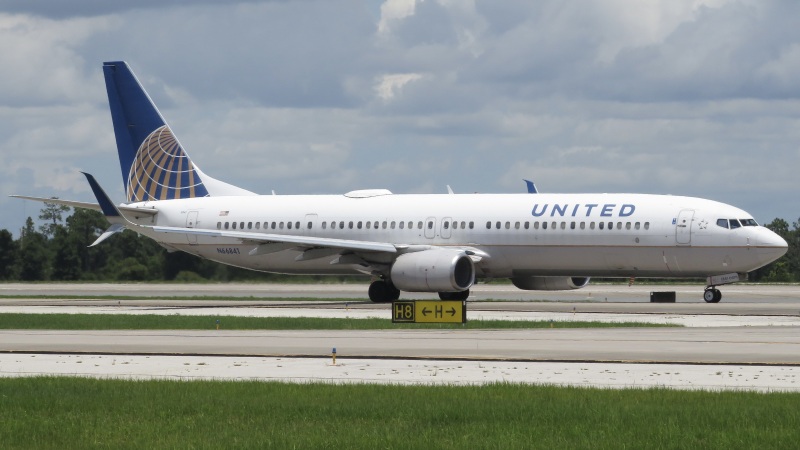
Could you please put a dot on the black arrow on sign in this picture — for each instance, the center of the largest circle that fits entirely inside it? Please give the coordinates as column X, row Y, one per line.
column 452, row 311
column 425, row 311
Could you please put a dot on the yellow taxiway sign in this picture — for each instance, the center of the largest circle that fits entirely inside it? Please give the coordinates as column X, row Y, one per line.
column 429, row 311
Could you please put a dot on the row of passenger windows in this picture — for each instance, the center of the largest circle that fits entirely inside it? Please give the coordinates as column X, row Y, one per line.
column 572, row 225
column 446, row 225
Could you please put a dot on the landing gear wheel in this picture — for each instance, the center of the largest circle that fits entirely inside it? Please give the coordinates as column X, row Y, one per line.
column 462, row 295
column 712, row 295
column 383, row 292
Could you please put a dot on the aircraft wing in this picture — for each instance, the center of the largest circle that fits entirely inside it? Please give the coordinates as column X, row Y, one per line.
column 87, row 205
column 300, row 241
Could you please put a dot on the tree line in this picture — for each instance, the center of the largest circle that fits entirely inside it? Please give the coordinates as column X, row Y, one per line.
column 58, row 250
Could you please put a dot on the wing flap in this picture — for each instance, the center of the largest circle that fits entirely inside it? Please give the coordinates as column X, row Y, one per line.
column 302, row 241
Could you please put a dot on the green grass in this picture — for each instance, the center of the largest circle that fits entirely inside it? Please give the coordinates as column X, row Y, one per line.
column 12, row 321
column 56, row 413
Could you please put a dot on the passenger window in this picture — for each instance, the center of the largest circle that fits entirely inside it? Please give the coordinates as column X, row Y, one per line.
column 463, row 225
column 341, row 225
column 234, row 225
column 446, row 225
column 563, row 225
column 455, row 224
column 280, row 225
column 471, row 225
column 384, row 225
column 610, row 225
column 602, row 224
column 647, row 225
column 402, row 225
column 535, row 225
column 393, row 223
column 516, row 225
column 591, row 226
column 527, row 225
column 219, row 225
column 544, row 225
column 310, row 225
column 249, row 225
column 369, row 224
column 258, row 225
column 637, row 225
column 324, row 225
column 375, row 225
column 619, row 225
column 553, row 226
column 734, row 224
column 273, row 225
column 488, row 225
column 289, row 225
column 508, row 225
column 583, row 225
column 241, row 225
column 430, row 225
column 359, row 225
column 627, row 225
column 497, row 225
column 227, row 225
column 350, row 225
column 419, row 225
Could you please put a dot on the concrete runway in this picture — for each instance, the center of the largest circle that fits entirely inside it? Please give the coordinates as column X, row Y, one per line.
column 761, row 352
column 638, row 293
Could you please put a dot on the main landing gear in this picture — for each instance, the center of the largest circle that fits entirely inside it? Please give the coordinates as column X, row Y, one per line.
column 383, row 292
column 712, row 295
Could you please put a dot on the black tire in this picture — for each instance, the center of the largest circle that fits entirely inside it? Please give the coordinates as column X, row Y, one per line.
column 377, row 292
column 462, row 295
column 712, row 295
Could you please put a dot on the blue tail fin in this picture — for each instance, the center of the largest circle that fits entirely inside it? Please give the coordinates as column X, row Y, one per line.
column 154, row 165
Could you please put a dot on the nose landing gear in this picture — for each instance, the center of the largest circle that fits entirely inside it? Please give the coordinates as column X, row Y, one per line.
column 712, row 295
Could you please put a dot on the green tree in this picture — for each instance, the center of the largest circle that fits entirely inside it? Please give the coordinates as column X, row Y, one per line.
column 9, row 253
column 52, row 214
column 34, row 256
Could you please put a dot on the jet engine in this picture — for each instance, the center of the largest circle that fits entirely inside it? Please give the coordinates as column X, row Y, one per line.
column 550, row 283
column 435, row 270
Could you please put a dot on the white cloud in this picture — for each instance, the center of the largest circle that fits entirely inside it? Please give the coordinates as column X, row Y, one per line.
column 389, row 86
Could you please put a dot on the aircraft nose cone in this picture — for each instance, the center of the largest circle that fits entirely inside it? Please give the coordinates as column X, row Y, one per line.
column 771, row 246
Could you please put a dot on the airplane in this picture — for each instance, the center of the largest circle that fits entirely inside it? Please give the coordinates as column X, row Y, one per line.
column 437, row 243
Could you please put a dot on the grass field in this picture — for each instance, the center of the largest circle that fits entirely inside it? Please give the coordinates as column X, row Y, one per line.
column 50, row 413
column 159, row 322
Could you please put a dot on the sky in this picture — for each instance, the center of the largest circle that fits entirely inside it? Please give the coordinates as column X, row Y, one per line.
column 681, row 97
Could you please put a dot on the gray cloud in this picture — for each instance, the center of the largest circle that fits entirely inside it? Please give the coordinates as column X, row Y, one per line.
column 658, row 97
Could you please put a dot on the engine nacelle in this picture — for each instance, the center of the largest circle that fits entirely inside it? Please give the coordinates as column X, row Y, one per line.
column 435, row 270
column 550, row 283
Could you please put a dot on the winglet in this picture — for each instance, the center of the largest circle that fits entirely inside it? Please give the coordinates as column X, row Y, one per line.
column 106, row 205
column 109, row 210
column 531, row 187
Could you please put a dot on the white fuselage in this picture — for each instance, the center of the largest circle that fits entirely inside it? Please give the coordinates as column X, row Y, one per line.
column 613, row 235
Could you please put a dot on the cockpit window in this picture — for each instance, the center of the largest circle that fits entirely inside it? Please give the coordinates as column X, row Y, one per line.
column 722, row 223
column 748, row 222
column 734, row 224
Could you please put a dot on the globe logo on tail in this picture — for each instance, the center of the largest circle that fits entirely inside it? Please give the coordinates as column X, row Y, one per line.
column 161, row 170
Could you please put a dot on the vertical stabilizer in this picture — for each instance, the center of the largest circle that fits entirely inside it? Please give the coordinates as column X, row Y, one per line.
column 154, row 164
